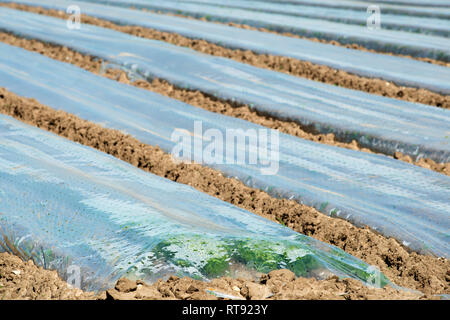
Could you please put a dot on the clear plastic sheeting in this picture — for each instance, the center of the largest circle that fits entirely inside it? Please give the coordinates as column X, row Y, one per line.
column 400, row 70
column 66, row 206
column 421, row 11
column 427, row 3
column 382, row 124
column 384, row 40
column 423, row 25
column 393, row 197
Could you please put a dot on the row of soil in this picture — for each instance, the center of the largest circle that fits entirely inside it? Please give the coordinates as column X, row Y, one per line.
column 354, row 46
column 201, row 100
column 428, row 274
column 287, row 65
column 24, row 280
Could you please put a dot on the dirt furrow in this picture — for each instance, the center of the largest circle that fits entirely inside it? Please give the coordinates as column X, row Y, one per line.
column 200, row 99
column 287, row 65
column 25, row 281
column 425, row 273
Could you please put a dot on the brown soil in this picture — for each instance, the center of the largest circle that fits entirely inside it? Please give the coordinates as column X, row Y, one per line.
column 428, row 274
column 24, row 281
column 21, row 280
column 201, row 100
column 277, row 285
column 287, row 65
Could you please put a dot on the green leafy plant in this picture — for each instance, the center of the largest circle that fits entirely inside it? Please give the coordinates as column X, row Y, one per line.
column 216, row 267
column 204, row 257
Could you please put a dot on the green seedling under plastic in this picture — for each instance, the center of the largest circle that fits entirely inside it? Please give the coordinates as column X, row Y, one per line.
column 207, row 258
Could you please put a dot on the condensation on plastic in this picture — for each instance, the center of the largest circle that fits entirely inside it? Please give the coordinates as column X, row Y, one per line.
column 434, row 26
column 393, row 197
column 420, row 11
column 383, row 124
column 402, row 71
column 63, row 204
column 384, row 40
